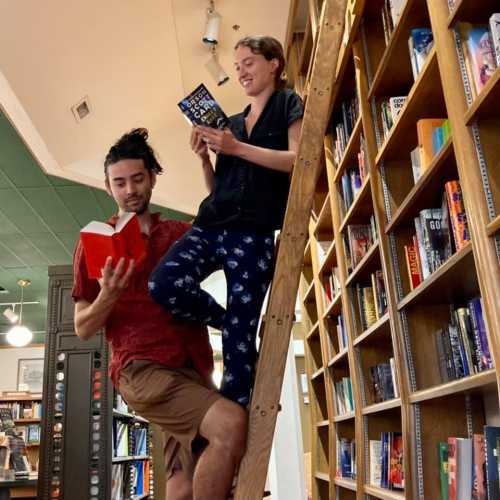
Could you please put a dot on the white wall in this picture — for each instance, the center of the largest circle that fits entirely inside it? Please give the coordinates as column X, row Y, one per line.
column 8, row 364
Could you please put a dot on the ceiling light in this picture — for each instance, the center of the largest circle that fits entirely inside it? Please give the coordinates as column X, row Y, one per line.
column 19, row 335
column 216, row 71
column 10, row 314
column 211, row 35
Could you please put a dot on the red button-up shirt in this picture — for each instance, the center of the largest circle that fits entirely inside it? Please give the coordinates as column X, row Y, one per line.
column 139, row 328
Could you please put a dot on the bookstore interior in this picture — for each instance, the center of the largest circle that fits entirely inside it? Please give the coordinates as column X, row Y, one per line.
column 396, row 339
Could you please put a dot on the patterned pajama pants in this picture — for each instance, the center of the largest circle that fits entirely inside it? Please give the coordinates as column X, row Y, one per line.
column 247, row 259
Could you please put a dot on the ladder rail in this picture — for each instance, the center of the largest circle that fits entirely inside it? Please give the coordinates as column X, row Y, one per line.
column 280, row 312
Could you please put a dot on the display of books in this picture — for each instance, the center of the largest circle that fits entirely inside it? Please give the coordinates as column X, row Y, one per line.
column 201, row 108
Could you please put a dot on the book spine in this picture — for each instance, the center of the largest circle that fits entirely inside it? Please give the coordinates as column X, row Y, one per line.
column 421, row 249
column 443, row 469
column 495, row 35
column 412, row 266
column 457, row 213
column 476, row 315
column 438, row 338
column 452, row 468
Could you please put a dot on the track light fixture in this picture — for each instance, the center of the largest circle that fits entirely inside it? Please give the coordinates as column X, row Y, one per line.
column 216, row 71
column 211, row 35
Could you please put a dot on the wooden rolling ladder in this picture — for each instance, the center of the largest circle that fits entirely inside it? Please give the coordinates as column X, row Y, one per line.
column 280, row 311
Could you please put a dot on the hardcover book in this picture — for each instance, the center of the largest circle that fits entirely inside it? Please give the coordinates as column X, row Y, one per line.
column 359, row 241
column 479, row 472
column 458, row 216
column 425, row 127
column 200, row 108
column 495, row 35
column 396, row 470
column 100, row 240
column 421, row 42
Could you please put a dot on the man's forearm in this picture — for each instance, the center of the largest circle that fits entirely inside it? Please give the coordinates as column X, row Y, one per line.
column 91, row 318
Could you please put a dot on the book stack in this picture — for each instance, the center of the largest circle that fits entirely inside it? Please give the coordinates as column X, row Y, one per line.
column 462, row 346
column 438, row 233
column 346, row 458
column 353, row 178
column 383, row 381
column 420, row 44
column 468, row 467
column 386, row 461
column 344, row 128
column 389, row 110
column 372, row 300
column 343, row 396
column 480, row 52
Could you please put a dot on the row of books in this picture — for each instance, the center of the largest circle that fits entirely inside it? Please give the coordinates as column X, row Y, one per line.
column 481, row 51
column 341, row 332
column 469, row 467
column 30, row 433
column 438, row 233
column 372, row 300
column 433, row 134
column 389, row 110
column 383, row 380
column 360, row 238
column 343, row 396
column 346, row 458
column 353, row 178
column 130, row 480
column 386, row 461
column 462, row 346
column 24, row 409
column 331, row 285
column 343, row 129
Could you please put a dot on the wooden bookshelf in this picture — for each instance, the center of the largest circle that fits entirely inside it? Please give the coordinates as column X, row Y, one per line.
column 426, row 409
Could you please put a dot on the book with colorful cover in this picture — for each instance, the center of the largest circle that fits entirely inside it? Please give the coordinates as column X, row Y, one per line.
column 101, row 240
column 375, row 462
column 425, row 127
column 435, row 237
column 201, row 108
column 452, row 467
column 396, row 470
column 476, row 315
column 412, row 266
column 360, row 241
column 396, row 104
column 422, row 41
column 480, row 53
column 458, row 216
column 491, row 434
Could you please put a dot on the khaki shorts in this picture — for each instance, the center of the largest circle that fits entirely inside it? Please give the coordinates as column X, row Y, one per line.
column 176, row 400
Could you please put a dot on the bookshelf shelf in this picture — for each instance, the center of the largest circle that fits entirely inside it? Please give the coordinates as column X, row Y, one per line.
column 349, row 484
column 351, row 150
column 6, row 399
column 314, row 331
column 380, row 327
column 322, row 423
column 335, row 307
column 21, row 421
column 381, row 407
column 422, row 101
column 383, row 493
column 389, row 74
column 429, row 184
column 455, row 279
column 309, row 296
column 477, row 381
column 322, row 476
column 485, row 105
column 318, row 373
column 344, row 417
column 467, row 10
column 362, row 206
column 341, row 357
column 365, row 264
column 494, row 226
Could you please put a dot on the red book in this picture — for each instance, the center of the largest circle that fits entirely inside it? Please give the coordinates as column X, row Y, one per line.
column 479, row 479
column 100, row 240
column 412, row 266
column 396, row 471
column 457, row 214
column 452, row 468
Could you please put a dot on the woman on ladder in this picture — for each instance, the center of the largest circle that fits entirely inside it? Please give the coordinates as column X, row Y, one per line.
column 234, row 228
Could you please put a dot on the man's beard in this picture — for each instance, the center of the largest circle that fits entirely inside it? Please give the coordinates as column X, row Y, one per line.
column 143, row 207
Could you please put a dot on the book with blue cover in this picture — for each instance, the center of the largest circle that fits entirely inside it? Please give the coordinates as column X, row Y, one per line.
column 201, row 108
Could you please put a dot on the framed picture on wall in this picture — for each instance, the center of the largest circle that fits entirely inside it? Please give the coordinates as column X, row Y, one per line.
column 30, row 375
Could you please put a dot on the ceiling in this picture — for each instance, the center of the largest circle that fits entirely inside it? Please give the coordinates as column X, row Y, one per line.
column 133, row 61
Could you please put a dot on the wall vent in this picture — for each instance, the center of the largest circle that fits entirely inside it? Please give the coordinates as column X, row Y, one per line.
column 81, row 109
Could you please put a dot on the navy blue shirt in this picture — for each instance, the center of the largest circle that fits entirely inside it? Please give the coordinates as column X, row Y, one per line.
column 246, row 195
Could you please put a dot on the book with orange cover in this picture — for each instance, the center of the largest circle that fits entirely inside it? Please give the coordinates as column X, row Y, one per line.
column 100, row 240
column 425, row 126
column 457, row 214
